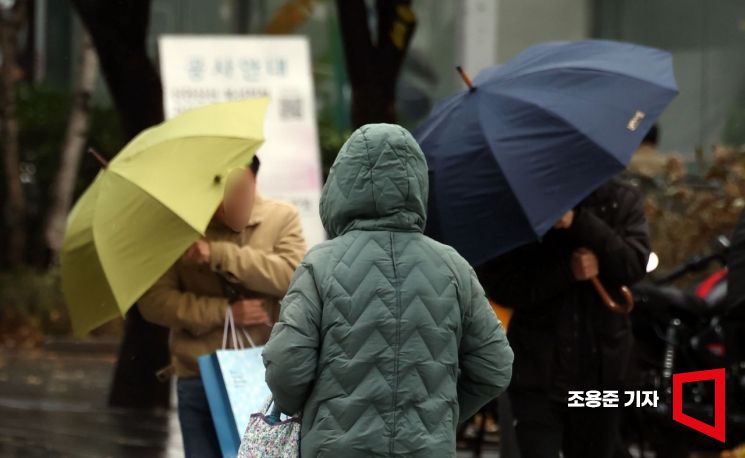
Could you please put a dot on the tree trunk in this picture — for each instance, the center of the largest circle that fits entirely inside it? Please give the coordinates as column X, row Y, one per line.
column 75, row 139
column 119, row 32
column 11, row 22
column 373, row 68
column 144, row 352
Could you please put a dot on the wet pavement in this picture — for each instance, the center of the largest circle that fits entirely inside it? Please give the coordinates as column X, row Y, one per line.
column 53, row 404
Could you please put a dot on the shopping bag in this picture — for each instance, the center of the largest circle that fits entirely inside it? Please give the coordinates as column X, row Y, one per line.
column 234, row 384
column 269, row 436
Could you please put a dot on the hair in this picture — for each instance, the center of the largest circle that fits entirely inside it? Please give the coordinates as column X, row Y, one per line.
column 254, row 165
column 652, row 135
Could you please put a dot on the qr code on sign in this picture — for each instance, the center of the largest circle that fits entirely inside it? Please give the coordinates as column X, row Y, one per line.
column 290, row 108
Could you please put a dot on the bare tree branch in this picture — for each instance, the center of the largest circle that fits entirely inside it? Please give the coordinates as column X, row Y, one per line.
column 76, row 137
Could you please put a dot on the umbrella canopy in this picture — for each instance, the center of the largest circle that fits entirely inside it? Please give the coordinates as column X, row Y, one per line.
column 152, row 201
column 536, row 136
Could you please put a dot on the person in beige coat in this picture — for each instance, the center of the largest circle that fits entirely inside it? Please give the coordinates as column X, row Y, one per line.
column 256, row 243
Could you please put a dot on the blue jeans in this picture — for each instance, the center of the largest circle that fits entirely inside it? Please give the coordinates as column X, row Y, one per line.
column 197, row 429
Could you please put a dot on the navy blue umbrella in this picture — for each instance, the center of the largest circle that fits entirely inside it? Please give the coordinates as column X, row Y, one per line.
column 534, row 137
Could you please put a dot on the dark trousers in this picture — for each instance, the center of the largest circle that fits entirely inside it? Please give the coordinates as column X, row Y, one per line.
column 197, row 429
column 545, row 426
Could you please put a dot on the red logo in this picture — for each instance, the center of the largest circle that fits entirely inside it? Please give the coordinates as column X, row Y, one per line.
column 716, row 430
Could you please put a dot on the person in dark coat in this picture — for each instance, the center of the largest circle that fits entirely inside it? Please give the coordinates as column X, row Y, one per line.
column 563, row 336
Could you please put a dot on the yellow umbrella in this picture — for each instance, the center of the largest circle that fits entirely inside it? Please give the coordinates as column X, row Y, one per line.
column 149, row 204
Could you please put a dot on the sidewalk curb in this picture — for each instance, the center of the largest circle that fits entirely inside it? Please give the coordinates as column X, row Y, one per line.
column 71, row 345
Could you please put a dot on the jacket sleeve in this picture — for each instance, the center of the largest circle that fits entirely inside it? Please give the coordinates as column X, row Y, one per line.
column 261, row 271
column 485, row 356
column 528, row 276
column 167, row 305
column 623, row 251
column 291, row 355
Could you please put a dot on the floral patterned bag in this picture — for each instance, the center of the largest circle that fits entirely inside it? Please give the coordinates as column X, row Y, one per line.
column 268, row 436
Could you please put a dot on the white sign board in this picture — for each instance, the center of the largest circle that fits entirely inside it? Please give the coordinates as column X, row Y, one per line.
column 202, row 69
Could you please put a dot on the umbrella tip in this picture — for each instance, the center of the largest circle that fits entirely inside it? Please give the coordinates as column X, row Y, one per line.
column 464, row 76
column 101, row 160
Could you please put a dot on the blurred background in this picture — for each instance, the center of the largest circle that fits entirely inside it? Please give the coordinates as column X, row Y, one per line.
column 84, row 73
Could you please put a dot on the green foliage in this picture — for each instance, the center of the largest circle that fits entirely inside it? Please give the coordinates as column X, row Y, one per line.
column 734, row 129
column 42, row 116
column 30, row 291
column 331, row 141
column 31, row 306
column 43, row 113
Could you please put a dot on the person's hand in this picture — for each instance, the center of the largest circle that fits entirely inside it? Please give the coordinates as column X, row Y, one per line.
column 566, row 221
column 250, row 312
column 199, row 252
column 584, row 264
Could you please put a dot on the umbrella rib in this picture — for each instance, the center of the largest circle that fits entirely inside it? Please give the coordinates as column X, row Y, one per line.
column 146, row 191
column 553, row 114
column 185, row 137
column 440, row 109
column 494, row 155
column 112, row 166
column 103, row 269
column 588, row 70
column 557, row 117
column 107, row 284
column 507, row 177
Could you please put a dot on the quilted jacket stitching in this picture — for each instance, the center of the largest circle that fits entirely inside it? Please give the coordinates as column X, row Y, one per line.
column 397, row 343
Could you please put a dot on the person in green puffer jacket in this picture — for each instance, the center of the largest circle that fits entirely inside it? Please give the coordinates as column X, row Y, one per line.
column 385, row 340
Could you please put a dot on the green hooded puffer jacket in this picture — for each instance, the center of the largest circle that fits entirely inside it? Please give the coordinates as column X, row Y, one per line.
column 385, row 339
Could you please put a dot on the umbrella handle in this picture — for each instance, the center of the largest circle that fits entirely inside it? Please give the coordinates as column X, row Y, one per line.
column 613, row 306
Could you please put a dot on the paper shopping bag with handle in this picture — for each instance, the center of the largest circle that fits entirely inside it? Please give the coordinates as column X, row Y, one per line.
column 235, row 387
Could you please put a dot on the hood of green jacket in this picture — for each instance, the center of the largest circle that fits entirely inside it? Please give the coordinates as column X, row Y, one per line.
column 378, row 182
